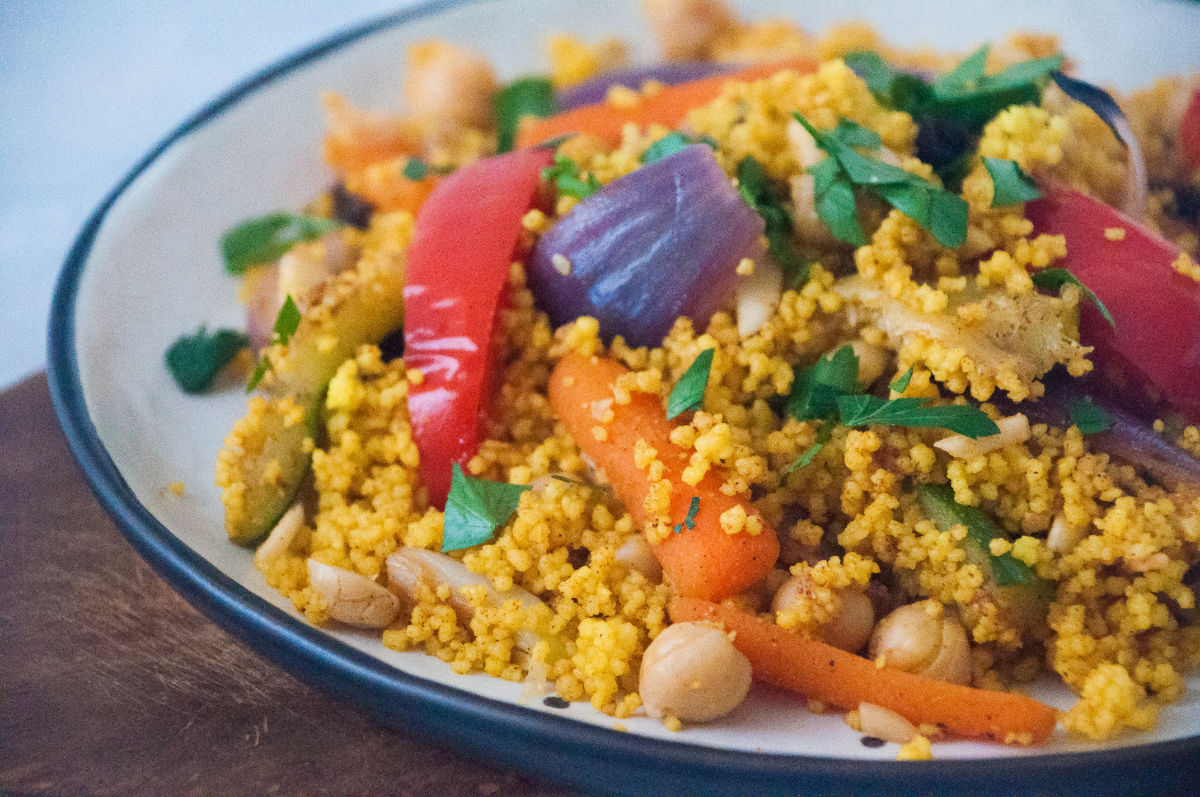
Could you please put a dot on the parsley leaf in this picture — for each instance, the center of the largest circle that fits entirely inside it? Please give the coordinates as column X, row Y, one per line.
column 286, row 324
column 565, row 176
column 964, row 419
column 195, row 360
column 815, row 389
column 823, row 436
column 690, row 520
column 1010, row 183
column 901, row 384
column 1055, row 278
column 417, row 169
column 264, row 239
column 528, row 96
column 688, row 393
column 758, row 191
column 942, row 213
column 1088, row 417
column 672, row 143
column 475, row 508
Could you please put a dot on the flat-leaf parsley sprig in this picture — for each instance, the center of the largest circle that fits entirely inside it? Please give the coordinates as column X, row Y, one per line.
column 941, row 212
column 286, row 324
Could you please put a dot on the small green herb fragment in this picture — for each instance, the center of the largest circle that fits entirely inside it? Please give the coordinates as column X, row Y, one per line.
column 528, row 96
column 823, row 436
column 475, row 508
column 942, row 213
column 195, row 360
column 688, row 393
column 914, row 412
column 815, row 389
column 1010, row 183
column 417, row 169
column 264, row 239
column 901, row 384
column 690, row 520
column 564, row 173
column 286, row 324
column 1053, row 279
column 1088, row 417
column 672, row 143
column 591, row 485
column 762, row 195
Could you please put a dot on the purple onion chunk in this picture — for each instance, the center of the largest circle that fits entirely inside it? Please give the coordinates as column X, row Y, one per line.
column 659, row 243
column 595, row 90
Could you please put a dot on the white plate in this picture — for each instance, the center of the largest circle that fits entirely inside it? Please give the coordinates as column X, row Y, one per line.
column 147, row 268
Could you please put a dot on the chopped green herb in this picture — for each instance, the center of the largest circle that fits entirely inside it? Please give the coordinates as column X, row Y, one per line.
column 688, row 393
column 604, row 488
column 1010, row 183
column 565, row 176
column 286, row 324
column 942, row 213
column 475, row 508
column 195, row 360
column 815, row 389
column 1054, row 278
column 690, row 520
column 417, row 169
column 672, row 143
column 875, row 72
column 964, row 419
column 938, row 504
column 264, row 239
column 901, row 384
column 557, row 141
column 823, row 436
column 762, row 195
column 528, row 96
column 1088, row 417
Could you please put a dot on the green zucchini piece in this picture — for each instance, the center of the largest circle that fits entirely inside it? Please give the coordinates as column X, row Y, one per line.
column 267, row 455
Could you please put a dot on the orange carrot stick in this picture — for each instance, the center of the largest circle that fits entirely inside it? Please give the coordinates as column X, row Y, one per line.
column 817, row 670
column 701, row 561
column 667, row 107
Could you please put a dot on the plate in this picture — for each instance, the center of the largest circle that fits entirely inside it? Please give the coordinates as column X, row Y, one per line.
column 146, row 268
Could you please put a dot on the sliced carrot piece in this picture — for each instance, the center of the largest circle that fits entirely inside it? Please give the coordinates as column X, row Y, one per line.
column 702, row 560
column 667, row 107
column 820, row 671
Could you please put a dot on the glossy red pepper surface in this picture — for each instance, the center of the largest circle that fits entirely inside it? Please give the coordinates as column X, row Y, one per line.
column 458, row 263
column 1156, row 339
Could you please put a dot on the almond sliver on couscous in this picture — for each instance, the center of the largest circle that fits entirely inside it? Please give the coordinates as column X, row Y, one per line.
column 817, row 357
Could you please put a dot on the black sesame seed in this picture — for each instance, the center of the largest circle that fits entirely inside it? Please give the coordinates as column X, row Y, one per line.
column 872, row 741
column 554, row 701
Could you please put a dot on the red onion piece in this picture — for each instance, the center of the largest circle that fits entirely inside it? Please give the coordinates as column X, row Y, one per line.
column 661, row 242
column 595, row 90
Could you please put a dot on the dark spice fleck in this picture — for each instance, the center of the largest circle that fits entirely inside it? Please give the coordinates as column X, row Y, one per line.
column 392, row 345
column 554, row 701
column 872, row 741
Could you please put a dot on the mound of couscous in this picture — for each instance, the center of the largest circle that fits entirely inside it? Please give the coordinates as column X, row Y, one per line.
column 859, row 393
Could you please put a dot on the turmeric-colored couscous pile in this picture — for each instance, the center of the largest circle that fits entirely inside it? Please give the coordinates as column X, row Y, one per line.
column 568, row 592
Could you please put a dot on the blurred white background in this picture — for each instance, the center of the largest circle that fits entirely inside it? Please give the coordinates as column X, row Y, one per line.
column 87, row 87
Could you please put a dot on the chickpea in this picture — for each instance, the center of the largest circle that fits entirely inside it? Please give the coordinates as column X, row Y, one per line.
column 685, row 29
column 692, row 671
column 872, row 360
column 636, row 554
column 850, row 626
column 449, row 86
column 919, row 638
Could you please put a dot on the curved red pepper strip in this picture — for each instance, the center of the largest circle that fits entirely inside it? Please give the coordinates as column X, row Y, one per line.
column 1156, row 338
column 458, row 263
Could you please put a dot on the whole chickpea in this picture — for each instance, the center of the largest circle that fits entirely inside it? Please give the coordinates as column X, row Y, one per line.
column 919, row 638
column 686, row 29
column 692, row 671
column 849, row 627
column 449, row 86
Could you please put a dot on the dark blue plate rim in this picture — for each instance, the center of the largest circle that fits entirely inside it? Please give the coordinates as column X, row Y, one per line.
column 531, row 741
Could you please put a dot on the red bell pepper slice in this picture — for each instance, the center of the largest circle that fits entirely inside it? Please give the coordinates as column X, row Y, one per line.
column 458, row 263
column 1189, row 131
column 1155, row 341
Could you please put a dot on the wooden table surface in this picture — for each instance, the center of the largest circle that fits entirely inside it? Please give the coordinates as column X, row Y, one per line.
column 110, row 683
